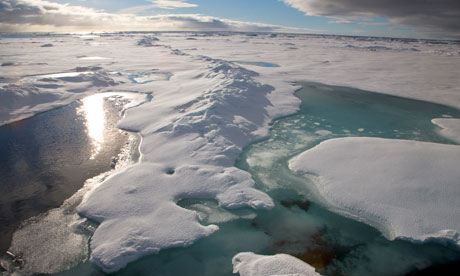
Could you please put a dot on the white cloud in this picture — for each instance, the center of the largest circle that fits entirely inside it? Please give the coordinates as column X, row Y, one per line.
column 157, row 4
column 172, row 4
column 41, row 15
column 442, row 16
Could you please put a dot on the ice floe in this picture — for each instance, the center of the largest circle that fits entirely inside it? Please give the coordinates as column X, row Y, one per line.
column 250, row 264
column 137, row 208
column 22, row 101
column 407, row 189
column 37, row 93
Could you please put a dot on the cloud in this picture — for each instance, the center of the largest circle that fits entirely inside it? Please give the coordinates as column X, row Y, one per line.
column 157, row 4
column 172, row 4
column 38, row 12
column 41, row 15
column 442, row 16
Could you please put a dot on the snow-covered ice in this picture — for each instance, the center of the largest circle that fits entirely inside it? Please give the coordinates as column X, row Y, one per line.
column 140, row 215
column 407, row 189
column 211, row 96
column 37, row 93
column 250, row 264
column 450, row 128
column 428, row 74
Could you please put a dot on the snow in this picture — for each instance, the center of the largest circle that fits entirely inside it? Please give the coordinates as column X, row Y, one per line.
column 147, row 41
column 210, row 97
column 429, row 74
column 38, row 93
column 407, row 189
column 188, row 151
column 250, row 264
column 450, row 128
column 139, row 213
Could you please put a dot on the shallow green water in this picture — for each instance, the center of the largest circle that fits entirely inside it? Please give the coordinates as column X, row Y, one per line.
column 298, row 225
column 340, row 245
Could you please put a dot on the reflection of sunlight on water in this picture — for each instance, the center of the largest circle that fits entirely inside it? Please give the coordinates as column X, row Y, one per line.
column 93, row 110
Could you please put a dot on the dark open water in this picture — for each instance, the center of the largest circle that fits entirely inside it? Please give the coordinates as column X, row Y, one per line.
column 47, row 158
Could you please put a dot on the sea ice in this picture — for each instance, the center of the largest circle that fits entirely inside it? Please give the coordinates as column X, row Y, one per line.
column 147, row 41
column 93, row 58
column 200, row 119
column 450, row 128
column 38, row 93
column 188, row 152
column 137, row 208
column 407, row 189
column 323, row 132
column 250, row 264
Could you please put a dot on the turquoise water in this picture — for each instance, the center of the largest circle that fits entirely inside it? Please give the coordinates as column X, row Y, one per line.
column 329, row 112
column 298, row 225
column 146, row 77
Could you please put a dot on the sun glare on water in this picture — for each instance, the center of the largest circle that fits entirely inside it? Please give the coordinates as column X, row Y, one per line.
column 93, row 111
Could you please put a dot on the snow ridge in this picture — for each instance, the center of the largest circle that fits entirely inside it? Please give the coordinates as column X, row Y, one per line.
column 189, row 155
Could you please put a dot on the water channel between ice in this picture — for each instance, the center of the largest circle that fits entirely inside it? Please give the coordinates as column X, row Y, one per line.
column 299, row 224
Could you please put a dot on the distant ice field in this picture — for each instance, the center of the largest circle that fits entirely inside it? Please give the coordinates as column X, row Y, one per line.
column 210, row 97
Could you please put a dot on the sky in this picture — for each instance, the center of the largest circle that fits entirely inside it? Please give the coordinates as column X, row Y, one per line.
column 388, row 18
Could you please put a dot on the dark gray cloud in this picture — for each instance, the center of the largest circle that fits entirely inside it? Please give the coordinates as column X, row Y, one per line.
column 209, row 23
column 196, row 23
column 38, row 12
column 441, row 16
column 14, row 11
